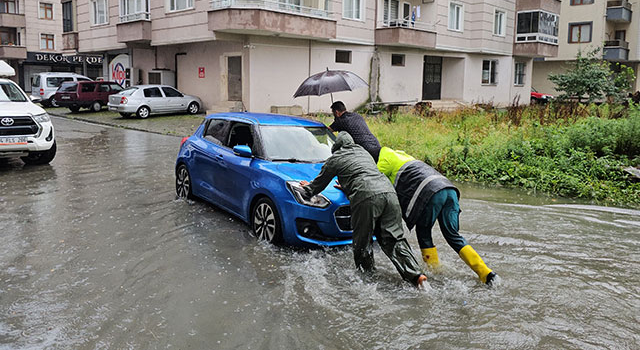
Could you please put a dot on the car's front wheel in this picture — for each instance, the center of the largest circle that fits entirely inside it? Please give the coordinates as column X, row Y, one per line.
column 96, row 106
column 183, row 183
column 193, row 108
column 265, row 221
column 40, row 157
column 143, row 112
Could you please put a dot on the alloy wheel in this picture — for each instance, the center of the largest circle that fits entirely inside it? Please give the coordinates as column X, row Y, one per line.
column 193, row 108
column 264, row 222
column 183, row 183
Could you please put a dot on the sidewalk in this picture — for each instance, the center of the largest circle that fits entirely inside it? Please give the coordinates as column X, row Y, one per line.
column 171, row 124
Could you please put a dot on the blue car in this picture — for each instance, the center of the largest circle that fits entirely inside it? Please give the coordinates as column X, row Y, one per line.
column 251, row 164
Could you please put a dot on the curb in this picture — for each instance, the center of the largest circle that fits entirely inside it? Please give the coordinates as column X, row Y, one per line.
column 91, row 121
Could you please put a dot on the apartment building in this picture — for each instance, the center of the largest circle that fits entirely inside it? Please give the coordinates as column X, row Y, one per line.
column 32, row 39
column 589, row 24
column 253, row 54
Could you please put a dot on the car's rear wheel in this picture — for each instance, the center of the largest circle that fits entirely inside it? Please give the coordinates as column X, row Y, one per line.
column 193, row 108
column 41, row 157
column 125, row 115
column 183, row 183
column 96, row 106
column 265, row 221
column 53, row 102
column 74, row 109
column 143, row 112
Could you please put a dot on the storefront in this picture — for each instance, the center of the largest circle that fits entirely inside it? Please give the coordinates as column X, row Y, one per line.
column 38, row 62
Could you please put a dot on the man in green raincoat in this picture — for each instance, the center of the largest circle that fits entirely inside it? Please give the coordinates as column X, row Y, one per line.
column 374, row 206
column 425, row 195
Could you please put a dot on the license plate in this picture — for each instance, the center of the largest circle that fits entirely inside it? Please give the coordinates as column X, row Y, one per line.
column 17, row 140
column 65, row 97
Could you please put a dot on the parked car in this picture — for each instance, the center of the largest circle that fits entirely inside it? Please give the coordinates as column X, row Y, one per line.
column 86, row 94
column 538, row 97
column 251, row 164
column 26, row 130
column 144, row 100
column 45, row 85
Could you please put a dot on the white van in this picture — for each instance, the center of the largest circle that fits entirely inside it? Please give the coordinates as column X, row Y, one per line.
column 45, row 85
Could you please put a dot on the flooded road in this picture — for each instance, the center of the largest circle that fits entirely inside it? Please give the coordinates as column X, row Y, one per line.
column 97, row 253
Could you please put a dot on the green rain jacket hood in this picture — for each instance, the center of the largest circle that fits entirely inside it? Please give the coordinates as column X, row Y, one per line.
column 356, row 171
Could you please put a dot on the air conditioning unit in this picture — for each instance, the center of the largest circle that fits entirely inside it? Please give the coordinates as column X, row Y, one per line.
column 162, row 76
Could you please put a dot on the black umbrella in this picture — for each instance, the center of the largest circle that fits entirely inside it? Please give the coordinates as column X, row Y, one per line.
column 328, row 82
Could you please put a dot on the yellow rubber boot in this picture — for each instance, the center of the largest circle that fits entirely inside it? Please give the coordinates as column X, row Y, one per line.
column 430, row 256
column 471, row 258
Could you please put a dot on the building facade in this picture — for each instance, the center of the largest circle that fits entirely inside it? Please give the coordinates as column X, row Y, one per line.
column 589, row 24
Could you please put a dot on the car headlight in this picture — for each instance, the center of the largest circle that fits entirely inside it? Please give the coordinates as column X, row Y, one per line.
column 42, row 118
column 318, row 201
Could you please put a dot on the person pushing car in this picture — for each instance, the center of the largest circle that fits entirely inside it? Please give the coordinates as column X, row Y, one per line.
column 374, row 206
column 426, row 195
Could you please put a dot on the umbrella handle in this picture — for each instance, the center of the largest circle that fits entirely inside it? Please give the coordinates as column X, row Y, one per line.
column 332, row 98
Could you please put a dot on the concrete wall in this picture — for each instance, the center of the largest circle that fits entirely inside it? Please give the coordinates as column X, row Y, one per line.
column 400, row 83
column 542, row 70
column 454, row 80
column 521, row 94
column 476, row 92
column 180, row 26
column 102, row 37
column 355, row 31
column 37, row 26
column 580, row 13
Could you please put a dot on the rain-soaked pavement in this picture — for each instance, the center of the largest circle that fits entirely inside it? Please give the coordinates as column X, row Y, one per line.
column 97, row 253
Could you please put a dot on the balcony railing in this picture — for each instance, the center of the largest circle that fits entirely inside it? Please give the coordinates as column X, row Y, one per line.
column 619, row 3
column 616, row 43
column 275, row 6
column 536, row 37
column 137, row 16
column 408, row 24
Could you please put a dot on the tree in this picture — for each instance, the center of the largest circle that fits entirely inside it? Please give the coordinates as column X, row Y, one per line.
column 593, row 78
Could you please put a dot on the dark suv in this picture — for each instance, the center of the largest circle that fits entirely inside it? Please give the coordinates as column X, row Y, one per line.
column 86, row 94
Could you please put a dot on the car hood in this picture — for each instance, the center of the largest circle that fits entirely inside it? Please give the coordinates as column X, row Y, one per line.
column 307, row 171
column 20, row 108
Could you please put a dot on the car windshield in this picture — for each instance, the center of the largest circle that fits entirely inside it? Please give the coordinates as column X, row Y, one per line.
column 11, row 93
column 296, row 143
column 128, row 91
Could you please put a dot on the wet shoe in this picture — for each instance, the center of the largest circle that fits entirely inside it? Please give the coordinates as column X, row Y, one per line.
column 422, row 282
column 490, row 278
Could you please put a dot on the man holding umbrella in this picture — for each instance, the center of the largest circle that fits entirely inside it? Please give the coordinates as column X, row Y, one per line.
column 355, row 125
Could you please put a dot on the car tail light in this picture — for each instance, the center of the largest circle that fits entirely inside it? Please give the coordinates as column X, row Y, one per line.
column 123, row 100
column 184, row 139
column 41, row 92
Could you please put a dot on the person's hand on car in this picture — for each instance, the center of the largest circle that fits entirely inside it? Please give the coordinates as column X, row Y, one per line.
column 304, row 183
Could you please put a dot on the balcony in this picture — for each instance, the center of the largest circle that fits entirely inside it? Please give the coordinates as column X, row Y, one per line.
column 619, row 11
column 12, row 20
column 271, row 18
column 535, row 45
column 406, row 33
column 134, row 28
column 13, row 52
column 616, row 50
column 70, row 41
column 552, row 6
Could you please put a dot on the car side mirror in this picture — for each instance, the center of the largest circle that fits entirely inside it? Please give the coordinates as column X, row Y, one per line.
column 242, row 151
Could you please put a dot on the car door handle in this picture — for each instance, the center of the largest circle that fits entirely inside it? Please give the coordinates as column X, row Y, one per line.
column 219, row 157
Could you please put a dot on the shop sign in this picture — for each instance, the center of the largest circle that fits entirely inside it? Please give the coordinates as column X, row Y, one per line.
column 200, row 72
column 118, row 69
column 59, row 58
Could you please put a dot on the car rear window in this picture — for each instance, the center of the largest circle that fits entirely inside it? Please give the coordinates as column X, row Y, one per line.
column 68, row 87
column 35, row 81
column 129, row 91
column 115, row 87
column 152, row 92
column 88, row 87
column 56, row 81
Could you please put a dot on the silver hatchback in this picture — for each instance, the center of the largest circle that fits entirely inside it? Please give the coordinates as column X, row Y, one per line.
column 144, row 100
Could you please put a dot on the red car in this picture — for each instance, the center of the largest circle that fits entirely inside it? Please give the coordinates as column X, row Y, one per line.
column 538, row 97
column 86, row 94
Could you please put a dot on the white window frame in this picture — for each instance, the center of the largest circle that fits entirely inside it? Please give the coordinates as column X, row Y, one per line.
column 93, row 9
column 40, row 41
column 141, row 10
column 190, row 5
column 537, row 36
column 502, row 29
column 361, row 10
column 460, row 19
column 515, row 73
column 52, row 10
column 493, row 72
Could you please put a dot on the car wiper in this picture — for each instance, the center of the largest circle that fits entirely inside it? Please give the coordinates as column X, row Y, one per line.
column 290, row 160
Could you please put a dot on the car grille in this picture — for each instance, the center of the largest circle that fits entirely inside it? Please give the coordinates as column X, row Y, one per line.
column 343, row 218
column 22, row 125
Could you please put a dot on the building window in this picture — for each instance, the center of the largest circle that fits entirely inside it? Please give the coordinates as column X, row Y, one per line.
column 390, row 14
column 456, row 14
column 46, row 42
column 499, row 23
column 46, row 10
column 538, row 26
column 352, row 9
column 343, row 56
column 67, row 16
column 581, row 2
column 397, row 60
column 99, row 14
column 9, row 36
column 131, row 10
column 9, row 6
column 580, row 32
column 177, row 5
column 489, row 72
column 519, row 74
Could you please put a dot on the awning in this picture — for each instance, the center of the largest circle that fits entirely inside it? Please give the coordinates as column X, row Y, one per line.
column 6, row 70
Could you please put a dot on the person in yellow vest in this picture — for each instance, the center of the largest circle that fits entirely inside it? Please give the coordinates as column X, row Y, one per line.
column 425, row 196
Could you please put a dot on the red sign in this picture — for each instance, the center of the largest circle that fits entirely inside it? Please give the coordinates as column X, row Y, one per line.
column 200, row 72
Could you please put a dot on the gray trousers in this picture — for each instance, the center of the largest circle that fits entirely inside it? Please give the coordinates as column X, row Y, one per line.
column 382, row 213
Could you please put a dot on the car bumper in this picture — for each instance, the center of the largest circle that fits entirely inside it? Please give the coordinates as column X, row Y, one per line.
column 72, row 103
column 307, row 226
column 122, row 108
column 39, row 142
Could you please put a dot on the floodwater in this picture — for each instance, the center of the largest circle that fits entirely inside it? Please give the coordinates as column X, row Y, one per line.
column 97, row 253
